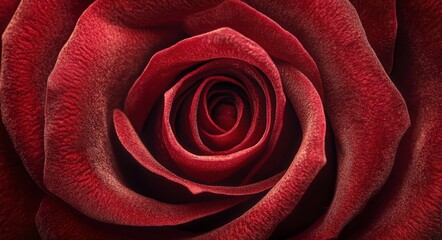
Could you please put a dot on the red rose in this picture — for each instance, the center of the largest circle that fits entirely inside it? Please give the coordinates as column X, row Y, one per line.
column 221, row 119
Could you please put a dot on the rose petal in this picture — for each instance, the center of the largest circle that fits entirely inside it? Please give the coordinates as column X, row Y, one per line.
column 160, row 13
column 6, row 12
column 19, row 195
column 31, row 45
column 56, row 220
column 277, row 42
column 260, row 221
column 366, row 111
column 410, row 204
column 379, row 20
column 93, row 73
column 223, row 110
column 133, row 144
column 316, row 199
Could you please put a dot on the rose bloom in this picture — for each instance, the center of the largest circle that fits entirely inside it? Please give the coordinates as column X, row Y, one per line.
column 187, row 119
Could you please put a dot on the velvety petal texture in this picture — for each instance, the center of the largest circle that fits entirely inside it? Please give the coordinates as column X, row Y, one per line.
column 6, row 12
column 260, row 221
column 379, row 21
column 19, row 195
column 410, row 204
column 56, row 220
column 220, row 119
column 79, row 164
column 31, row 43
column 206, row 47
column 354, row 83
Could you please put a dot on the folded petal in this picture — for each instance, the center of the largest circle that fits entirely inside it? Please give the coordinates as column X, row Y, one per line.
column 57, row 220
column 91, row 77
column 378, row 18
column 276, row 41
column 366, row 111
column 260, row 221
column 31, row 45
column 133, row 144
column 19, row 195
column 410, row 204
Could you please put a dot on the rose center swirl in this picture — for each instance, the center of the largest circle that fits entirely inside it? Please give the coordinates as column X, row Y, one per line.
column 216, row 117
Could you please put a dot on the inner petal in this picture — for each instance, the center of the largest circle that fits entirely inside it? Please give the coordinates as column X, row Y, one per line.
column 224, row 112
column 226, row 95
column 238, row 89
column 192, row 111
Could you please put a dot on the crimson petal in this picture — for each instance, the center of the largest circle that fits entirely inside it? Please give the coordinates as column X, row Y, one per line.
column 277, row 42
column 260, row 221
column 233, row 46
column 379, row 20
column 366, row 111
column 57, row 220
column 133, row 144
column 410, row 205
column 90, row 78
column 31, row 45
column 19, row 195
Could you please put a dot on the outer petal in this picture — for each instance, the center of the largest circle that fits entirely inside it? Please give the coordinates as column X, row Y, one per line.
column 91, row 77
column 379, row 20
column 135, row 13
column 277, row 42
column 56, row 220
column 6, row 11
column 31, row 44
column 410, row 205
column 366, row 111
column 19, row 196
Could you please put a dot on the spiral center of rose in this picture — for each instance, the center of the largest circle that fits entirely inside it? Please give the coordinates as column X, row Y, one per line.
column 213, row 118
column 224, row 114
